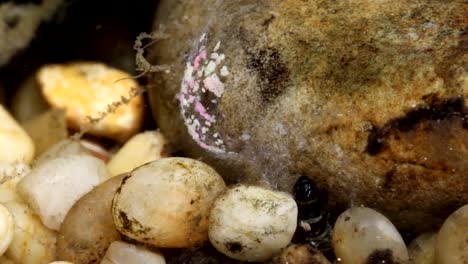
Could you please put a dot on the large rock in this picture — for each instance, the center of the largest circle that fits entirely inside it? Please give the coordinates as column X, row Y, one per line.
column 367, row 98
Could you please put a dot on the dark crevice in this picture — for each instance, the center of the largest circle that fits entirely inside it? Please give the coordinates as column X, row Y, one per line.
column 11, row 20
column 382, row 256
column 435, row 109
column 272, row 74
column 234, row 247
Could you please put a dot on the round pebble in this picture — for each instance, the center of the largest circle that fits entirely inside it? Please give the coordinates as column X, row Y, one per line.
column 452, row 239
column 16, row 144
column 362, row 235
column 7, row 228
column 88, row 228
column 302, row 254
column 166, row 203
column 140, row 149
column 52, row 187
column 252, row 223
column 124, row 253
column 422, row 249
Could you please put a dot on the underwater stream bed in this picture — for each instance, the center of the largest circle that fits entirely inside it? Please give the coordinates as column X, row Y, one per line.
column 211, row 131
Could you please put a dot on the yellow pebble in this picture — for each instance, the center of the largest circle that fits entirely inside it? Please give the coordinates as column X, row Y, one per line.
column 87, row 89
column 140, row 149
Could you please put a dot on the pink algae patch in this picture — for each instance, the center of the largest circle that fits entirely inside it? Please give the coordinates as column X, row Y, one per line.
column 200, row 91
column 214, row 85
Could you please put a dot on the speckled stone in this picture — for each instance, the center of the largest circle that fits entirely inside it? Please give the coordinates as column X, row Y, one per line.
column 368, row 98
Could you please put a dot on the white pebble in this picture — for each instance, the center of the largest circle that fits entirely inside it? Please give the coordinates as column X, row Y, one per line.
column 55, row 185
column 166, row 203
column 362, row 235
column 125, row 253
column 140, row 149
column 65, row 147
column 422, row 249
column 452, row 239
column 251, row 223
column 7, row 228
column 32, row 242
column 16, row 144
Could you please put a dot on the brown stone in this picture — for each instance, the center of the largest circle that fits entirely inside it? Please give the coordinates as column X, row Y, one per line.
column 367, row 98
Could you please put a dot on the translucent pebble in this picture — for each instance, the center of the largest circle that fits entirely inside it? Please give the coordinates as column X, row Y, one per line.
column 452, row 239
column 125, row 253
column 55, row 185
column 251, row 223
column 422, row 249
column 361, row 235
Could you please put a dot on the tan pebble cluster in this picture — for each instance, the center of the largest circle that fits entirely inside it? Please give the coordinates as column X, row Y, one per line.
column 69, row 200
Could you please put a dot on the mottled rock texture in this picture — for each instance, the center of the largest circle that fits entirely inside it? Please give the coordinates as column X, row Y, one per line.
column 368, row 98
column 19, row 20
